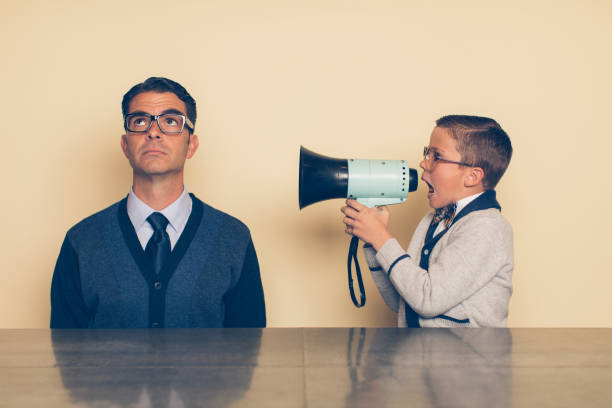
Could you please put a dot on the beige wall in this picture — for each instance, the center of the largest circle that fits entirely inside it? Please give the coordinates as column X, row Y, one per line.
column 347, row 79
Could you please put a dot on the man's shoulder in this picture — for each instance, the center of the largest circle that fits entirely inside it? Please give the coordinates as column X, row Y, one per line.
column 228, row 223
column 96, row 221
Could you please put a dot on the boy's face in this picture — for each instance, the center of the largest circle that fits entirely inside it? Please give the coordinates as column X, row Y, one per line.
column 446, row 181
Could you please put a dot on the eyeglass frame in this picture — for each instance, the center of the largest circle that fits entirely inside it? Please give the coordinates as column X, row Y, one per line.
column 428, row 150
column 155, row 118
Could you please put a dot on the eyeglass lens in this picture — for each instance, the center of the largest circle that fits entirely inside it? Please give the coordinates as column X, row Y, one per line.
column 429, row 155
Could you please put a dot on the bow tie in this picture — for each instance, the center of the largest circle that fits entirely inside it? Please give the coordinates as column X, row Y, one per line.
column 446, row 214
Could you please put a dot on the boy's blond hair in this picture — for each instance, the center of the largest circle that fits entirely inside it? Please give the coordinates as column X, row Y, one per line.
column 482, row 143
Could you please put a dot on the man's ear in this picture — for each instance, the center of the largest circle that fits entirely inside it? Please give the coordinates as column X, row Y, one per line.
column 473, row 177
column 193, row 145
column 124, row 145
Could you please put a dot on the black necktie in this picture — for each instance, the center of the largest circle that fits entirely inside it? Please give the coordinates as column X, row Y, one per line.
column 158, row 247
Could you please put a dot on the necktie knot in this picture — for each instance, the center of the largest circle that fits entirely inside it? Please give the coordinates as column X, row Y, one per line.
column 446, row 214
column 158, row 221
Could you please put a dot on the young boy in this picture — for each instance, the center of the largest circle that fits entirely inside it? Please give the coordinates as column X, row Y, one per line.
column 458, row 267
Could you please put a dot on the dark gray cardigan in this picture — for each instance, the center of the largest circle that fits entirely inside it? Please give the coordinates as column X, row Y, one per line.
column 103, row 279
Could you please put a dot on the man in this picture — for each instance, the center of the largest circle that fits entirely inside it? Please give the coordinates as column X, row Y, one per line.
column 160, row 257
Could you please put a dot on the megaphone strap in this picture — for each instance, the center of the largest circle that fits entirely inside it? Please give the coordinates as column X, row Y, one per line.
column 352, row 256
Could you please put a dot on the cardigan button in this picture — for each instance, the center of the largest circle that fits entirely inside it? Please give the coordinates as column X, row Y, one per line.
column 426, row 252
column 157, row 285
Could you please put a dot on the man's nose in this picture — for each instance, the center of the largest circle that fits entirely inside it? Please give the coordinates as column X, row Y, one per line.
column 154, row 131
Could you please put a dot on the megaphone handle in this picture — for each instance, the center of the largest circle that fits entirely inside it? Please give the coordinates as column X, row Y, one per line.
column 352, row 256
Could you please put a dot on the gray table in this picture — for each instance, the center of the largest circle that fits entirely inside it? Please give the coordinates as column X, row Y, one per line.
column 307, row 367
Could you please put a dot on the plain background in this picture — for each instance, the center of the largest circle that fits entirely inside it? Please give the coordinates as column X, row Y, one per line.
column 361, row 79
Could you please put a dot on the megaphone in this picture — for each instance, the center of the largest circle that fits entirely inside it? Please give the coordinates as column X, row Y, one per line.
column 370, row 182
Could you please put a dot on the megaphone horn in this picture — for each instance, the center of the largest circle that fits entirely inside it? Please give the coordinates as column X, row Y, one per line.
column 321, row 177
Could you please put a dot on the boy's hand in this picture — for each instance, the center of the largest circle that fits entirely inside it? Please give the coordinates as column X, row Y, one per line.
column 369, row 224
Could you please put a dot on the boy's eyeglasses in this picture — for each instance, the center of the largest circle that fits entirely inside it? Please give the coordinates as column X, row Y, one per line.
column 432, row 157
column 168, row 123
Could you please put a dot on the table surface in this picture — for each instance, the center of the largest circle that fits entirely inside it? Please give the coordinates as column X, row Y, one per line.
column 315, row 367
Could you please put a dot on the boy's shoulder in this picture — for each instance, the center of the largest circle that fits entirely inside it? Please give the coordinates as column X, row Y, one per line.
column 483, row 222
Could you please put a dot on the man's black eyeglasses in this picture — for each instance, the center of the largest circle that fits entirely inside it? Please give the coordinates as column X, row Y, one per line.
column 168, row 123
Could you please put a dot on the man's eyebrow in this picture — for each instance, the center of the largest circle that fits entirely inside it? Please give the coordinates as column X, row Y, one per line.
column 178, row 112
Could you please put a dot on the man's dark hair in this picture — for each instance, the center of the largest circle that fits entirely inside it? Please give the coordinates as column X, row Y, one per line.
column 160, row 85
column 482, row 143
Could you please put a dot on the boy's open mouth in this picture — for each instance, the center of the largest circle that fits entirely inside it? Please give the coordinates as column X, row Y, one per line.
column 431, row 189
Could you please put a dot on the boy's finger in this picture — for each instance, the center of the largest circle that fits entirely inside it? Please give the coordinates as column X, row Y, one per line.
column 349, row 212
column 355, row 204
column 348, row 221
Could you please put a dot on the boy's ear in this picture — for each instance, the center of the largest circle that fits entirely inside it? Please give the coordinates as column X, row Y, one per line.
column 473, row 177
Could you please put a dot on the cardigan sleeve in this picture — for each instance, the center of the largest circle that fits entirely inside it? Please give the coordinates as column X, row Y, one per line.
column 244, row 303
column 386, row 289
column 68, row 309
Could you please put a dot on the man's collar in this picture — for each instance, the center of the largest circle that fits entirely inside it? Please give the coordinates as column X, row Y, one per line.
column 177, row 213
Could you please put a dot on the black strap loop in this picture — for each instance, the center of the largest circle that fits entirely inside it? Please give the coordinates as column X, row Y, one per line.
column 352, row 256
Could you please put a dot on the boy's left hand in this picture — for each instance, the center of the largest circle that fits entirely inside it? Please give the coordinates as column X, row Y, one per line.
column 369, row 224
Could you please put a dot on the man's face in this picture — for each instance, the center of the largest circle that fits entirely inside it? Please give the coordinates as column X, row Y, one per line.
column 445, row 180
column 155, row 153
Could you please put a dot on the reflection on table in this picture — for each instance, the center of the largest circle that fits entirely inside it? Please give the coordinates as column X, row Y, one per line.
column 449, row 362
column 156, row 368
column 323, row 367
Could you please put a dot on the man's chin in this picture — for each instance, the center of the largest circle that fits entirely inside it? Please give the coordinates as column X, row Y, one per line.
column 152, row 171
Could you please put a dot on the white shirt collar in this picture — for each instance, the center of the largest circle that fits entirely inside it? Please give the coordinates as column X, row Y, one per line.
column 177, row 213
column 465, row 201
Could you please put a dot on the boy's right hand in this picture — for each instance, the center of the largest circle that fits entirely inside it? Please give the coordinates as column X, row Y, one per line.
column 369, row 224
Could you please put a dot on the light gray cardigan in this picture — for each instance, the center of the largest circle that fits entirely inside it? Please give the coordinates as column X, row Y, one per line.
column 469, row 277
